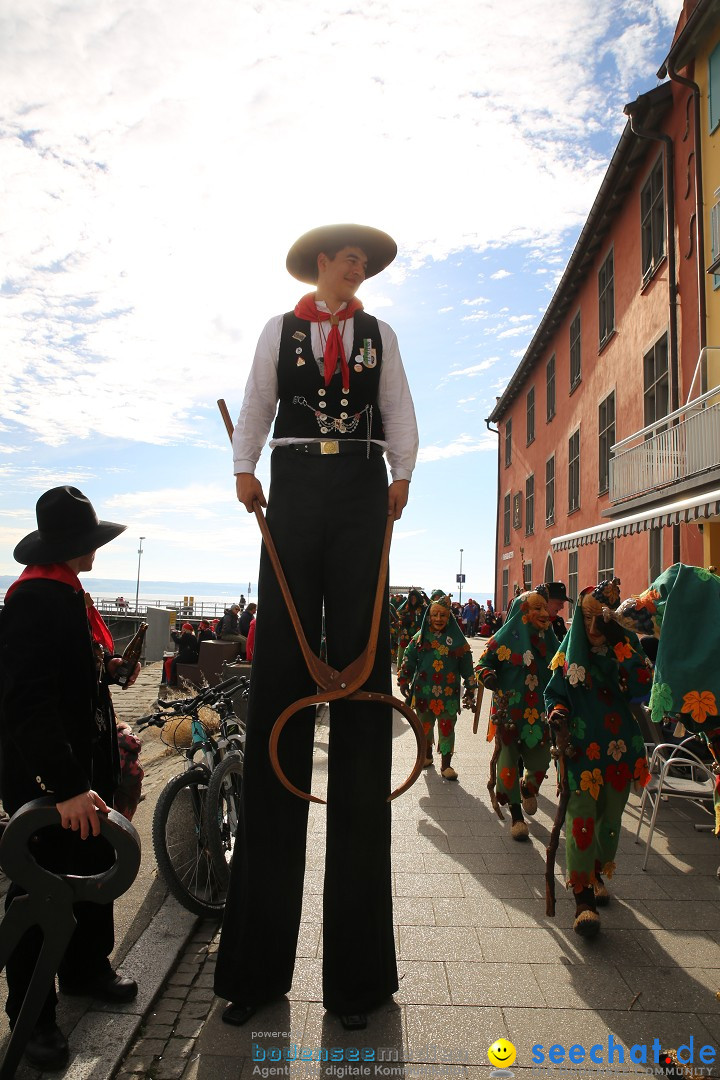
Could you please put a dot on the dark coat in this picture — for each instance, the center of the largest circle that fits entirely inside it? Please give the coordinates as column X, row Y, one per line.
column 57, row 728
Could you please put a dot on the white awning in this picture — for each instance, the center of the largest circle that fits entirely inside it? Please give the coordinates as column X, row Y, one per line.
column 655, row 517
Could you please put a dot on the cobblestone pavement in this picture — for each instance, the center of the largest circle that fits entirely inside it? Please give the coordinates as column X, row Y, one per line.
column 478, row 958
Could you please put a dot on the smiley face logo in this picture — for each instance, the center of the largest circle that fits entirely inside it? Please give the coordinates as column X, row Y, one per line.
column 502, row 1053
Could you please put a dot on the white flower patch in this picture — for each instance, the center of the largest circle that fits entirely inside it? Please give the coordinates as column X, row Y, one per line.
column 575, row 674
column 528, row 658
column 531, row 681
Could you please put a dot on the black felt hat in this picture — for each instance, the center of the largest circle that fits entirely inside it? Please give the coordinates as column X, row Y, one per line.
column 67, row 528
column 556, row 591
column 301, row 260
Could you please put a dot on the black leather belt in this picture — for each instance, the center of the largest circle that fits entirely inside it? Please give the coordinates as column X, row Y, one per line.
column 331, row 447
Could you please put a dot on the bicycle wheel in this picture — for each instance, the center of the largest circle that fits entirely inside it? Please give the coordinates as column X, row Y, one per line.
column 222, row 811
column 180, row 843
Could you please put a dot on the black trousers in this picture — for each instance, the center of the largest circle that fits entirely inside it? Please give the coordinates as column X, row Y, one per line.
column 86, row 957
column 327, row 516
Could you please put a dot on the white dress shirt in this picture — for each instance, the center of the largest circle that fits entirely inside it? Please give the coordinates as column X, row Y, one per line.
column 261, row 398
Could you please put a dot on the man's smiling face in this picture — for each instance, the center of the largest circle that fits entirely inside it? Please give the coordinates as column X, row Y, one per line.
column 342, row 276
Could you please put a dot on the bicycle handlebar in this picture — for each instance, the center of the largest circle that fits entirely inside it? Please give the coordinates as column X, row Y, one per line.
column 183, row 706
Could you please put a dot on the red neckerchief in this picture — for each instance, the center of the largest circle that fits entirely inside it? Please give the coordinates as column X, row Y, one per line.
column 61, row 572
column 308, row 310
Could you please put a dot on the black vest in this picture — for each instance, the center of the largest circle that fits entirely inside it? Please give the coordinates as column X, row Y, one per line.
column 310, row 410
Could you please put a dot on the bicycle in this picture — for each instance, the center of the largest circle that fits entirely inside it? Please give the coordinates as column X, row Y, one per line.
column 196, row 815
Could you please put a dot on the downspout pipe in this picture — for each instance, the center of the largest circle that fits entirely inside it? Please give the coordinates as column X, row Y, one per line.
column 496, row 431
column 699, row 206
column 669, row 159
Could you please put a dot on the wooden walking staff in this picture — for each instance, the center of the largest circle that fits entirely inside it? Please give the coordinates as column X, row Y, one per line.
column 561, row 742
column 332, row 684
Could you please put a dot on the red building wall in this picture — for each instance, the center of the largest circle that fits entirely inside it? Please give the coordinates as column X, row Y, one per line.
column 642, row 316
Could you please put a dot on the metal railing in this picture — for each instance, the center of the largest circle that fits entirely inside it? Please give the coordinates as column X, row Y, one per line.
column 681, row 445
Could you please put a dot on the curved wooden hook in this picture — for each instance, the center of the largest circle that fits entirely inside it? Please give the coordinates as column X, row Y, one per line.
column 360, row 695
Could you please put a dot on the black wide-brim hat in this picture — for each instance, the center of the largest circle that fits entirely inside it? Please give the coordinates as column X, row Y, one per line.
column 556, row 591
column 67, row 528
column 379, row 248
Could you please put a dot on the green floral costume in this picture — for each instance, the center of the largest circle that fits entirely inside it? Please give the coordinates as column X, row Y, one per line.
column 593, row 686
column 519, row 655
column 430, row 674
column 411, row 613
column 682, row 606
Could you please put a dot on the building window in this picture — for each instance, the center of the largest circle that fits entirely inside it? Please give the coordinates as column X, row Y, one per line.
column 550, row 490
column 550, row 384
column 530, row 413
column 655, row 566
column 606, row 298
column 508, row 443
column 657, row 383
column 715, row 237
column 575, row 351
column 652, row 214
column 517, row 510
column 606, row 560
column 572, row 589
column 574, row 472
column 505, row 588
column 606, row 439
column 506, row 520
column 714, row 87
column 530, row 506
column 527, row 576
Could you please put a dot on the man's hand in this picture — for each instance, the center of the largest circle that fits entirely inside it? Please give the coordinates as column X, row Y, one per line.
column 80, row 812
column 557, row 718
column 397, row 498
column 490, row 682
column 112, row 670
column 249, row 489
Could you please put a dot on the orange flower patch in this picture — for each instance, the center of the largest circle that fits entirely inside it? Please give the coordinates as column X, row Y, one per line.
column 436, row 706
column 622, row 651
column 593, row 752
column 700, row 704
column 642, row 773
column 591, row 781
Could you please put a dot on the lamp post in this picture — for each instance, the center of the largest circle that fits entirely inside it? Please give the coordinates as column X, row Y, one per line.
column 460, row 578
column 137, row 589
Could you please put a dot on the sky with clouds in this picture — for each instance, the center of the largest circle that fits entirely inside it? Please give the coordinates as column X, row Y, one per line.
column 158, row 158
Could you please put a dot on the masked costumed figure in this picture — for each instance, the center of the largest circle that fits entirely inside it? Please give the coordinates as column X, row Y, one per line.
column 599, row 669
column 411, row 613
column 682, row 609
column 514, row 666
column 436, row 660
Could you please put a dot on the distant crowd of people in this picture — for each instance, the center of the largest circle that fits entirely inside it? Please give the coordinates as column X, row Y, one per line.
column 236, row 625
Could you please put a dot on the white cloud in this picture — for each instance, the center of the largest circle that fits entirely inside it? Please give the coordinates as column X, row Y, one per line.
column 464, row 444
column 470, row 372
column 500, row 274
column 153, row 159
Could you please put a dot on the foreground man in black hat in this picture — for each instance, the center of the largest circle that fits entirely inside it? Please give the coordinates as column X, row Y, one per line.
column 58, row 738
column 335, row 377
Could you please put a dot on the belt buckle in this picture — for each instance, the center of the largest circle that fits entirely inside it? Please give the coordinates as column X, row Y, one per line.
column 330, row 446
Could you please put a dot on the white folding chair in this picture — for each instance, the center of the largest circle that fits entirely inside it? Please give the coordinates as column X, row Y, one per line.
column 675, row 773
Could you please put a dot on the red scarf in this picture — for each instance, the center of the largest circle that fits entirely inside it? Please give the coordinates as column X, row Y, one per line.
column 61, row 572
column 307, row 310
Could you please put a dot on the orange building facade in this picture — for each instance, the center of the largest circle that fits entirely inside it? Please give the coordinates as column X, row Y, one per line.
column 607, row 462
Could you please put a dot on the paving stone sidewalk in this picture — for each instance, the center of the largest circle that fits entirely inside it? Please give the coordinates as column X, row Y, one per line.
column 478, row 958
